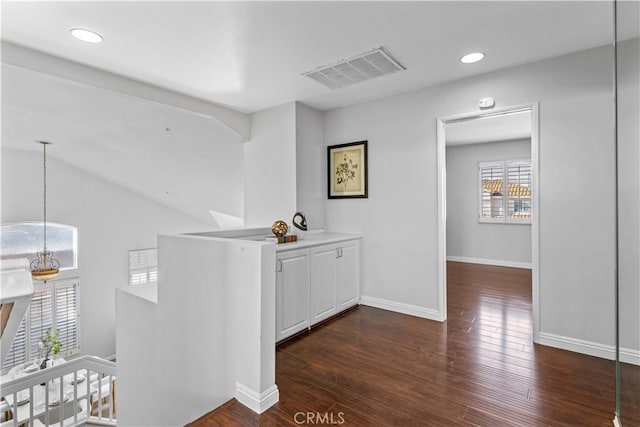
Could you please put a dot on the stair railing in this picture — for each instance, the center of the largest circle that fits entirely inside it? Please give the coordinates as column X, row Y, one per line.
column 68, row 394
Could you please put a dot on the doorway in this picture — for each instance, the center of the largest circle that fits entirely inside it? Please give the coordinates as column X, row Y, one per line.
column 497, row 206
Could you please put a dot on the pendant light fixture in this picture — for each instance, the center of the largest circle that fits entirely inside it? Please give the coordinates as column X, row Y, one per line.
column 45, row 266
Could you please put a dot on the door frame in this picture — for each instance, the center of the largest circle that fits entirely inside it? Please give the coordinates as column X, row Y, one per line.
column 442, row 205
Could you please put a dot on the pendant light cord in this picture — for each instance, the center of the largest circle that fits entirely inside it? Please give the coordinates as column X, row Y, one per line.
column 44, row 267
column 44, row 150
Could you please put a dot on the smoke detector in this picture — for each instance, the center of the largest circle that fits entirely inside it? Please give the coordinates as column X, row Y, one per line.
column 366, row 66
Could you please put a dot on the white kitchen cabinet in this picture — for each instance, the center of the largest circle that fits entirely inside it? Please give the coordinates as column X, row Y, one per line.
column 348, row 274
column 327, row 275
column 323, row 276
column 292, row 292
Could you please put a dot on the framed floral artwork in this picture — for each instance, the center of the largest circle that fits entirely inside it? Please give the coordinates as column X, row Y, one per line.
column 347, row 170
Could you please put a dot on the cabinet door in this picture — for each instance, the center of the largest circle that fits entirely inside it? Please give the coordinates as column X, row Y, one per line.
column 324, row 298
column 348, row 275
column 292, row 293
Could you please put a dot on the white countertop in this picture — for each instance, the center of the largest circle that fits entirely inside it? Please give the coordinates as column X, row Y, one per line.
column 309, row 239
column 313, row 238
column 146, row 291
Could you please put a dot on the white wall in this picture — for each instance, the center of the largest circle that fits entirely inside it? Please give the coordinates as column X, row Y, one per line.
column 283, row 166
column 23, row 57
column 187, row 161
column 110, row 220
column 311, row 190
column 466, row 237
column 208, row 337
column 270, row 167
column 576, row 180
column 399, row 258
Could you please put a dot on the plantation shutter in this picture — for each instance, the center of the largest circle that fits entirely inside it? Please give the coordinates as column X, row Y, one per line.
column 54, row 304
column 143, row 266
column 18, row 352
column 519, row 184
column 492, row 192
column 40, row 314
column 67, row 315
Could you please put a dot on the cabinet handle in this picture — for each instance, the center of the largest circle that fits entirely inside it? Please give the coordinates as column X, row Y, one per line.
column 279, row 269
column 340, row 252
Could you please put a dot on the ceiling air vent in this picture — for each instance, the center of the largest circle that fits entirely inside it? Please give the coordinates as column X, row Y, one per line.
column 365, row 66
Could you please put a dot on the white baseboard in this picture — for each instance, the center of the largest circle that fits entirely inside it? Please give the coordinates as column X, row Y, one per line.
column 628, row 355
column 591, row 348
column 257, row 402
column 412, row 310
column 513, row 264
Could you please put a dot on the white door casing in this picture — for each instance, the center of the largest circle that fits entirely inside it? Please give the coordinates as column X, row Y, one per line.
column 442, row 208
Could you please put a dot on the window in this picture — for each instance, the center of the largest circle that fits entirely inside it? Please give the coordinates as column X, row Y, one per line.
column 143, row 266
column 55, row 303
column 24, row 240
column 505, row 191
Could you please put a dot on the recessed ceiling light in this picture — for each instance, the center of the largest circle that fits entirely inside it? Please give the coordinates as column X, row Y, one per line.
column 86, row 35
column 470, row 58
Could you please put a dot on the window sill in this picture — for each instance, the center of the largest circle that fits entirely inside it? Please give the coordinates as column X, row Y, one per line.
column 503, row 221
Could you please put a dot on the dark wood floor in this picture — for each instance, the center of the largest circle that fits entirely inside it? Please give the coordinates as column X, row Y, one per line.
column 480, row 368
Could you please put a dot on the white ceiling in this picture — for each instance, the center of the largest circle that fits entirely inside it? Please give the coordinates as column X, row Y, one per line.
column 250, row 55
column 189, row 162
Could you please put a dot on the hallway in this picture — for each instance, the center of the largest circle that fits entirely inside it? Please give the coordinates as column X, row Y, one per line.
column 480, row 368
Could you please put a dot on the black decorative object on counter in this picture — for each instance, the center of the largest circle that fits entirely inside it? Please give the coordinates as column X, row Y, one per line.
column 299, row 221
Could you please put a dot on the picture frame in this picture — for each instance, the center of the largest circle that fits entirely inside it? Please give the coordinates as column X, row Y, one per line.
column 347, row 171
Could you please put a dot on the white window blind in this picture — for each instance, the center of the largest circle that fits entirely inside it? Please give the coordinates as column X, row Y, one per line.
column 143, row 266
column 40, row 314
column 505, row 191
column 54, row 304
column 18, row 352
column 492, row 178
column 519, row 184
column 67, row 315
